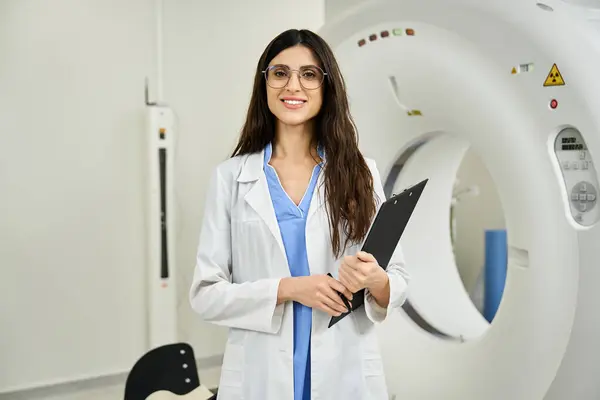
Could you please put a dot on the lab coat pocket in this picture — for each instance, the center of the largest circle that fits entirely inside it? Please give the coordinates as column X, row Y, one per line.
column 372, row 366
column 232, row 373
column 374, row 378
column 371, row 355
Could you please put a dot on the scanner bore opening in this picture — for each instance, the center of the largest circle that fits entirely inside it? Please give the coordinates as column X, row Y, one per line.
column 474, row 181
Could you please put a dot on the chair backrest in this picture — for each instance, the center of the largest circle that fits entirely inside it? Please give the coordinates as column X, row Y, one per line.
column 171, row 367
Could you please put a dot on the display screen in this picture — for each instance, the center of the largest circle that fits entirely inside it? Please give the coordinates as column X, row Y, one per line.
column 571, row 143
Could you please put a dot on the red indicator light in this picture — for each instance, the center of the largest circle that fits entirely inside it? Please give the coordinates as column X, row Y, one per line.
column 410, row 32
column 362, row 42
column 553, row 104
column 385, row 34
column 373, row 37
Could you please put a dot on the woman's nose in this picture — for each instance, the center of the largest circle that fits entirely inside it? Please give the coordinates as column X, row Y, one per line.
column 294, row 82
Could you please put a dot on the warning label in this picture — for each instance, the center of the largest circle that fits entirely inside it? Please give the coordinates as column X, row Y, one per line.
column 554, row 77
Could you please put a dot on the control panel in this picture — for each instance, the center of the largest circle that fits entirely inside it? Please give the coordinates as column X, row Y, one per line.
column 579, row 176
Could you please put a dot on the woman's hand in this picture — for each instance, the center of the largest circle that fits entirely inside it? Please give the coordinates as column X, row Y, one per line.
column 316, row 292
column 362, row 271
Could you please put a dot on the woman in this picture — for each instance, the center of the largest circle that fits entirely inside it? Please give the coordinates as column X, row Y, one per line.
column 294, row 203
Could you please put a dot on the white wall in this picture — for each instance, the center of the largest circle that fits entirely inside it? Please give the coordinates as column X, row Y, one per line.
column 72, row 170
column 335, row 8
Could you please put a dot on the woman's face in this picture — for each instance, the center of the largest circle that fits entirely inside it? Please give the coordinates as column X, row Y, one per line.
column 299, row 99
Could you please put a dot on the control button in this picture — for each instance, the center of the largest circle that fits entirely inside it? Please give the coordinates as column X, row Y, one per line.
column 582, row 155
column 585, row 164
column 578, row 218
column 575, row 165
column 566, row 164
column 584, row 196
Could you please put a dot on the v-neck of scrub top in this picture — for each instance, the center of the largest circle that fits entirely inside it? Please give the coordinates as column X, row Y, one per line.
column 292, row 225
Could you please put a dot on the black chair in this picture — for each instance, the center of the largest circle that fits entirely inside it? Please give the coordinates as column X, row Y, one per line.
column 171, row 367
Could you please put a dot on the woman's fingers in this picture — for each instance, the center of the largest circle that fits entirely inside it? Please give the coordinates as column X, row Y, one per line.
column 350, row 284
column 333, row 300
column 329, row 310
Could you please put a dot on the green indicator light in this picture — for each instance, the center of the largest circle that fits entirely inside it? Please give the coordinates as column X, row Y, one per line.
column 398, row 32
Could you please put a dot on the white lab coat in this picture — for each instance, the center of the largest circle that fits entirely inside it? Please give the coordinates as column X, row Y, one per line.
column 240, row 262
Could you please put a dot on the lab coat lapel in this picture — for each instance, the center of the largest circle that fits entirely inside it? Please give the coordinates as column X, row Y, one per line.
column 316, row 225
column 318, row 199
column 258, row 197
column 260, row 200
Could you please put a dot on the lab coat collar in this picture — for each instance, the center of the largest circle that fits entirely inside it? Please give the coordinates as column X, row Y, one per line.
column 259, row 198
column 252, row 167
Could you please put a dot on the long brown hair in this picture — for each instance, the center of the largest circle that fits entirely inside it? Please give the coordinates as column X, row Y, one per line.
column 348, row 181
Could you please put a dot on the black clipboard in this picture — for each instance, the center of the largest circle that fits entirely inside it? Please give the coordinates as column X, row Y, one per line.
column 385, row 233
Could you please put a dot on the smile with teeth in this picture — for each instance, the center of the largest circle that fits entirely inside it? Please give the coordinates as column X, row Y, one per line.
column 293, row 102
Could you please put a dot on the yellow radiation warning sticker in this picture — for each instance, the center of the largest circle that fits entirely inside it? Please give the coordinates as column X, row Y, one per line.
column 554, row 77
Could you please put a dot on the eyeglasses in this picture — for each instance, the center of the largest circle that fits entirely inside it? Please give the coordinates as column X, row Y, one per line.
column 278, row 76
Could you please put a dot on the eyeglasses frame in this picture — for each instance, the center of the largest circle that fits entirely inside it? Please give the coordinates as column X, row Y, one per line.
column 290, row 77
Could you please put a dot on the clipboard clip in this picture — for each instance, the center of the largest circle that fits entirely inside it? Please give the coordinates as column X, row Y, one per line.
column 396, row 194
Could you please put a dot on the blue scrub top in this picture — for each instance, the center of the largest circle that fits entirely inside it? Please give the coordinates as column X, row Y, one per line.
column 292, row 224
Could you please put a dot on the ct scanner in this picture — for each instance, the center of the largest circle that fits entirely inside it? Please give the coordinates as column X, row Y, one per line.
column 519, row 83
